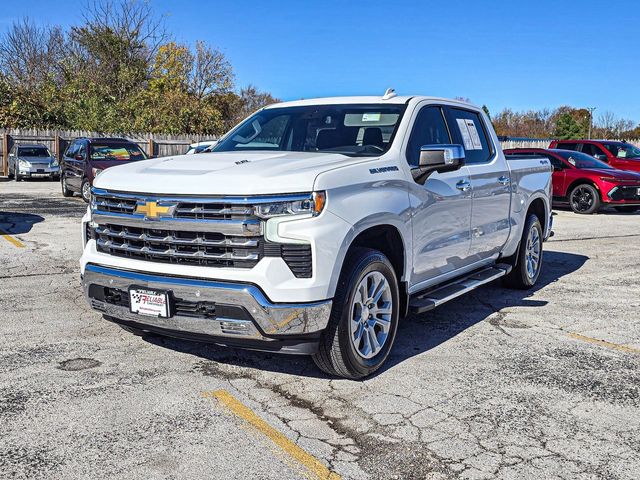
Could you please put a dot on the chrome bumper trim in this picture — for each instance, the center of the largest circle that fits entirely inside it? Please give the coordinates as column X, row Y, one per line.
column 270, row 319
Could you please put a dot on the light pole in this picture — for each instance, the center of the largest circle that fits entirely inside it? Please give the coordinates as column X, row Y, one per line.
column 591, row 109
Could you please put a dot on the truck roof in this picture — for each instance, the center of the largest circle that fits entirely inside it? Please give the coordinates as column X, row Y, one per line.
column 364, row 100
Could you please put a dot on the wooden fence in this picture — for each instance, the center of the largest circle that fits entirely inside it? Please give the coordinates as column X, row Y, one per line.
column 57, row 142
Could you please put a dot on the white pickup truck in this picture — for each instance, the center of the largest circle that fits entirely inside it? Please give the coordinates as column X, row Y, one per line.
column 315, row 226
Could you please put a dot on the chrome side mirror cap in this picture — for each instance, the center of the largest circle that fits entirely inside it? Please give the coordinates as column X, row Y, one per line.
column 438, row 158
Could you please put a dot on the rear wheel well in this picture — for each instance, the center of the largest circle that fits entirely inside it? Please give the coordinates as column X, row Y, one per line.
column 538, row 207
column 387, row 239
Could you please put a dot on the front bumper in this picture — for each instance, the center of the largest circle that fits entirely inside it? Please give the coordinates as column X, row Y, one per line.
column 624, row 195
column 227, row 313
column 39, row 171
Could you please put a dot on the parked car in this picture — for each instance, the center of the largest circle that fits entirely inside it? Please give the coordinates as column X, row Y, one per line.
column 87, row 157
column 620, row 155
column 201, row 147
column 586, row 183
column 32, row 161
column 314, row 226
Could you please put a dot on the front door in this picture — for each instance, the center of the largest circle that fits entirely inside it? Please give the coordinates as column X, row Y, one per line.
column 490, row 183
column 441, row 208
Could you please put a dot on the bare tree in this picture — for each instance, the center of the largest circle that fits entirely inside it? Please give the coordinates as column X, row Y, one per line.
column 212, row 72
column 30, row 54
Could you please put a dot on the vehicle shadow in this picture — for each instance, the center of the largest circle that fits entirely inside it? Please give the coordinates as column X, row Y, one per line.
column 15, row 223
column 417, row 334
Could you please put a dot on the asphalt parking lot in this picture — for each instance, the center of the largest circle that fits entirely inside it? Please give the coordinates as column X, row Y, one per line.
column 497, row 384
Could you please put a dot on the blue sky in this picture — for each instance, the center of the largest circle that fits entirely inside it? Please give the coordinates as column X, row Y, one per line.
column 504, row 54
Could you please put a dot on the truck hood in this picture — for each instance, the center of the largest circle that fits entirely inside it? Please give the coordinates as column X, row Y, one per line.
column 224, row 173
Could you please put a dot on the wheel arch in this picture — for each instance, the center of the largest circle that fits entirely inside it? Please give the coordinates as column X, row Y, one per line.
column 581, row 181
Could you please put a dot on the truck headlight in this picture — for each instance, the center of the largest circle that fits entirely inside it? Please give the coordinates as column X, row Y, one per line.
column 24, row 164
column 54, row 163
column 313, row 205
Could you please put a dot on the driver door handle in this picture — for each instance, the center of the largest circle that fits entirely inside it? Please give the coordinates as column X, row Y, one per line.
column 463, row 185
column 504, row 180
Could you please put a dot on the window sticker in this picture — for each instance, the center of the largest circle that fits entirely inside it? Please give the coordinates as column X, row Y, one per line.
column 475, row 138
column 371, row 117
column 464, row 131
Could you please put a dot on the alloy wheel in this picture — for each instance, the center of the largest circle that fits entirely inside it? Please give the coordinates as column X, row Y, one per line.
column 533, row 251
column 371, row 315
column 582, row 199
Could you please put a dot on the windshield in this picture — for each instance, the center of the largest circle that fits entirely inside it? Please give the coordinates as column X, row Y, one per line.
column 117, row 151
column 582, row 160
column 354, row 130
column 33, row 152
column 623, row 150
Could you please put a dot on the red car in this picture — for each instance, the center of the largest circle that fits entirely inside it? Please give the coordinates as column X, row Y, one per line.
column 586, row 183
column 620, row 155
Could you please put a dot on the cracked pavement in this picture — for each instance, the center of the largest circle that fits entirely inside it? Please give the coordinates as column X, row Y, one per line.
column 492, row 385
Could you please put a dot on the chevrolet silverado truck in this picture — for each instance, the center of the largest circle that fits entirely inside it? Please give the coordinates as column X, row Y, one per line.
column 314, row 226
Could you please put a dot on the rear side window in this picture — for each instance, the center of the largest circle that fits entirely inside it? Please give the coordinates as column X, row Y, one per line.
column 591, row 149
column 567, row 146
column 469, row 131
column 428, row 129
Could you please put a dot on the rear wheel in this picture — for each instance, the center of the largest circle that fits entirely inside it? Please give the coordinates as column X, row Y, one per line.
column 628, row 208
column 584, row 199
column 66, row 192
column 364, row 317
column 86, row 190
column 526, row 271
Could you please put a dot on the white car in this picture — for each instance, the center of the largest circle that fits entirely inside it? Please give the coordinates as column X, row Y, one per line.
column 200, row 147
column 315, row 226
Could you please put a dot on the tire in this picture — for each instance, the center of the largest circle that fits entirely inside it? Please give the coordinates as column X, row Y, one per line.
column 522, row 277
column 339, row 353
column 628, row 209
column 65, row 190
column 85, row 190
column 11, row 175
column 584, row 199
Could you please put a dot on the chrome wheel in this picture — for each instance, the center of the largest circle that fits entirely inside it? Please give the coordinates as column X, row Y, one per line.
column 371, row 315
column 533, row 251
column 86, row 191
column 582, row 199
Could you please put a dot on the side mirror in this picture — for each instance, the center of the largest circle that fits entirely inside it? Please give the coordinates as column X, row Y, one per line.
column 79, row 157
column 438, row 158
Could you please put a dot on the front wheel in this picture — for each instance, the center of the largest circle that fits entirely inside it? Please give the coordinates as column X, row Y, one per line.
column 584, row 199
column 526, row 271
column 364, row 317
column 628, row 208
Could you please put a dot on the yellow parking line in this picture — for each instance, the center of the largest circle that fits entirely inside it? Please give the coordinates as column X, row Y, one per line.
column 11, row 239
column 316, row 469
column 603, row 343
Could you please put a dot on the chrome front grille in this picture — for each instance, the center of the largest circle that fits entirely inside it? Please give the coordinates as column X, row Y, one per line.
column 212, row 231
column 182, row 247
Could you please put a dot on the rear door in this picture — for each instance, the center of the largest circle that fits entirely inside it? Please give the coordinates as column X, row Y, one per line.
column 490, row 183
column 441, row 208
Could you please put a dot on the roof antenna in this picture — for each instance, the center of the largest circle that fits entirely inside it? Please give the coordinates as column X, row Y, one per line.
column 389, row 94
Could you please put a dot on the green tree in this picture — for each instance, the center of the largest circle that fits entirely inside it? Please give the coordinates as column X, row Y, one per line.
column 567, row 127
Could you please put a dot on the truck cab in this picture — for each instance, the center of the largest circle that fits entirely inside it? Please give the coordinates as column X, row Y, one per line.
column 314, row 226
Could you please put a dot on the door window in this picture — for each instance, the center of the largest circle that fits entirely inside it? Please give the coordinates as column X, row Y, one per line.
column 469, row 131
column 71, row 150
column 82, row 151
column 567, row 146
column 594, row 151
column 429, row 128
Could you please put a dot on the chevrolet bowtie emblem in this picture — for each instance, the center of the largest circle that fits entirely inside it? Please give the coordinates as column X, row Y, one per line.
column 153, row 210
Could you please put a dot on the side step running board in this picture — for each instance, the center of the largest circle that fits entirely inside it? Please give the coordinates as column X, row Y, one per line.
column 425, row 301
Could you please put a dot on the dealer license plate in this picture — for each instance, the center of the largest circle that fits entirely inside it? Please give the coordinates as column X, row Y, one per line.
column 154, row 303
